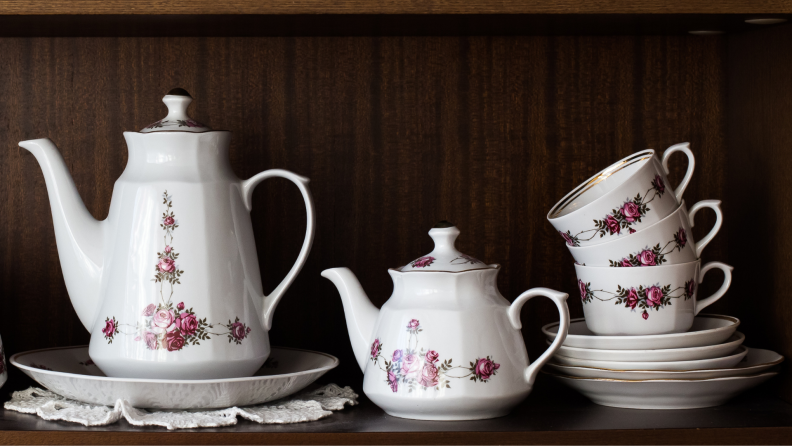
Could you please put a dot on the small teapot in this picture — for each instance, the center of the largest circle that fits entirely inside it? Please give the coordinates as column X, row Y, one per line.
column 169, row 284
column 446, row 345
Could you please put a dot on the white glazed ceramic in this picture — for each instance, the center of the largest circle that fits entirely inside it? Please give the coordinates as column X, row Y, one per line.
column 755, row 361
column 672, row 354
column 707, row 329
column 69, row 372
column 664, row 394
column 713, row 363
column 446, row 345
column 667, row 242
column 626, row 197
column 169, row 284
column 645, row 301
column 3, row 365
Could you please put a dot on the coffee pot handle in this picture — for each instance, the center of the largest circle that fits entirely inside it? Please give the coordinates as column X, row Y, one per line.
column 715, row 206
column 684, row 148
column 727, row 278
column 271, row 301
column 563, row 311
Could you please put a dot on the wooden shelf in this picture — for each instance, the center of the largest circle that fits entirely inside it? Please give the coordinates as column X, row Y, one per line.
column 551, row 415
column 149, row 7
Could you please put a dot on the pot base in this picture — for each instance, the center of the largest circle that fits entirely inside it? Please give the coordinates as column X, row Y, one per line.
column 448, row 417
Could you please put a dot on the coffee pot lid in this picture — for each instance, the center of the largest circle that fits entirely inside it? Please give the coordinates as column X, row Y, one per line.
column 445, row 256
column 177, row 101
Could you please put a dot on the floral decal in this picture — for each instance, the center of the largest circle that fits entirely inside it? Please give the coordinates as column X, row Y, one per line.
column 175, row 122
column 620, row 218
column 653, row 256
column 423, row 262
column 163, row 325
column 646, row 298
column 40, row 367
column 412, row 368
column 465, row 259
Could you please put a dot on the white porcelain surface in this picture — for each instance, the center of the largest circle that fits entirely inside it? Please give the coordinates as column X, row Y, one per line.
column 446, row 345
column 169, row 284
column 3, row 365
column 707, row 329
column 628, row 196
column 755, row 361
column 713, row 363
column 445, row 256
column 645, row 301
column 177, row 120
column 667, row 242
column 68, row 372
column 672, row 354
column 664, row 394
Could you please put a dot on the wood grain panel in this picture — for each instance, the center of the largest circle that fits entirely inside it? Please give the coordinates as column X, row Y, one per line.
column 760, row 208
column 396, row 134
column 37, row 7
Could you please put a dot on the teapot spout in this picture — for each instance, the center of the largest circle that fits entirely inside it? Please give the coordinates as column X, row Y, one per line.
column 78, row 235
column 361, row 314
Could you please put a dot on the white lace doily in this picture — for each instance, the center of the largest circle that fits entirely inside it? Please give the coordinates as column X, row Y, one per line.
column 306, row 406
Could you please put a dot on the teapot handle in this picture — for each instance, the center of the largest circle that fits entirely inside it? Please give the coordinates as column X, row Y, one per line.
column 271, row 301
column 563, row 311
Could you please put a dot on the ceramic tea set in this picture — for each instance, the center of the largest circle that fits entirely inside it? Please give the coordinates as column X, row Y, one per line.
column 146, row 285
column 643, row 343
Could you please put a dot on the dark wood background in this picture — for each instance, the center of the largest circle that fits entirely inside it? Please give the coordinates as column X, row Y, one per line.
column 396, row 133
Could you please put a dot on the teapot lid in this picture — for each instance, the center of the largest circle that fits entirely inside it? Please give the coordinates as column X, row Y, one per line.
column 177, row 101
column 445, row 256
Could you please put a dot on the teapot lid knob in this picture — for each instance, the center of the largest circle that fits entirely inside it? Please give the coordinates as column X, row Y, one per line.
column 177, row 100
column 445, row 257
column 444, row 224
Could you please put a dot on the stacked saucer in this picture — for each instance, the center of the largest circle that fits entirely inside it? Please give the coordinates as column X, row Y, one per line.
column 705, row 366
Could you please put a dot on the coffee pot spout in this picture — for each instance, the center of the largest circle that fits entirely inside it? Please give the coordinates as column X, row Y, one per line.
column 361, row 314
column 78, row 235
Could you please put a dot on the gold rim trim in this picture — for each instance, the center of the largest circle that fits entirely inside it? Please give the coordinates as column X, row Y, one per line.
column 600, row 177
column 657, row 380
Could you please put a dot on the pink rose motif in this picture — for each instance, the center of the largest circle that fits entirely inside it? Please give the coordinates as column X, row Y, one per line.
column 168, row 249
column 393, row 382
column 658, row 184
column 632, row 231
column 626, row 263
column 485, row 368
column 612, row 224
column 654, row 296
column 163, row 319
column 632, row 298
column 582, row 288
column 630, row 211
column 429, row 375
column 109, row 328
column 432, row 356
column 397, row 355
column 413, row 325
column 690, row 287
column 168, row 221
column 568, row 238
column 174, row 341
column 191, row 123
column 166, row 265
column 423, row 262
column 238, row 331
column 187, row 324
column 149, row 310
column 180, row 306
column 151, row 340
column 410, row 364
column 681, row 237
column 647, row 258
column 375, row 348
column 645, row 315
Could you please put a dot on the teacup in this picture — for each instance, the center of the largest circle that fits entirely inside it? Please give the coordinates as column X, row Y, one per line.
column 622, row 199
column 645, row 301
column 667, row 242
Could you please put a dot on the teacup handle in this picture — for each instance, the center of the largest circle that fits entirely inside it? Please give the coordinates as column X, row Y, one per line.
column 270, row 302
column 727, row 278
column 563, row 311
column 684, row 148
column 715, row 206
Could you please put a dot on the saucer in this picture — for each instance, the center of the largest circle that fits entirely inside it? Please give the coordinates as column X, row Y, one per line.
column 708, row 329
column 699, row 364
column 669, row 354
column 756, row 361
column 69, row 372
column 663, row 394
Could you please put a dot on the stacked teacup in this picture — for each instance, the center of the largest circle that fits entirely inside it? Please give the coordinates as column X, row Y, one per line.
column 639, row 270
